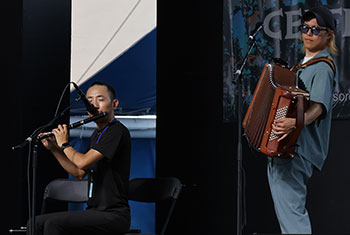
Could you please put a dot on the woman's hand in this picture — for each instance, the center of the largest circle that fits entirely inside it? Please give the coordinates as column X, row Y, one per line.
column 283, row 127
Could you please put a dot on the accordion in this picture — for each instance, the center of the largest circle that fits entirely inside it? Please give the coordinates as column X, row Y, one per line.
column 276, row 96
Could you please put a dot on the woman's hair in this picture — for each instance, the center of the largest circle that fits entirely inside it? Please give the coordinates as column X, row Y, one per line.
column 332, row 47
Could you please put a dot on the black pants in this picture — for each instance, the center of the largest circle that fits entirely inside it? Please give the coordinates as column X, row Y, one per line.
column 80, row 222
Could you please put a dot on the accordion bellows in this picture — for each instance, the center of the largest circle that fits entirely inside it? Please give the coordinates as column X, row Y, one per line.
column 276, row 96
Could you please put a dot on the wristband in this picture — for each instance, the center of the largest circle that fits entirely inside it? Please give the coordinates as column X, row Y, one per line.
column 65, row 145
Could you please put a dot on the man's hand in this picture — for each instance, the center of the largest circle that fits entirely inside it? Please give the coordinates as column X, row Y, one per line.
column 61, row 134
column 49, row 142
column 283, row 127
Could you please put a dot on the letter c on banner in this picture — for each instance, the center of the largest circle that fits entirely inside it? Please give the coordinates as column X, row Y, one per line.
column 267, row 20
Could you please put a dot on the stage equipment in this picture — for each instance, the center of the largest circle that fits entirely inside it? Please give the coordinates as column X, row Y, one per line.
column 89, row 107
column 77, row 124
column 237, row 79
column 276, row 96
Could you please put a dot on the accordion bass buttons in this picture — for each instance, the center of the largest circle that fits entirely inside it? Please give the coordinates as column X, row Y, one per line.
column 280, row 113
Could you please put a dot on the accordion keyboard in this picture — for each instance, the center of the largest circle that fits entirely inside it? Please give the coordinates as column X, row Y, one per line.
column 280, row 113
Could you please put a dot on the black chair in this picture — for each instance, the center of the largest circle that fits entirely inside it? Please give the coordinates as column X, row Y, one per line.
column 63, row 190
column 155, row 190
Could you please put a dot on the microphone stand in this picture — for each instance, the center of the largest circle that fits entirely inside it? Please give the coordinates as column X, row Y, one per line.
column 33, row 140
column 240, row 176
column 34, row 168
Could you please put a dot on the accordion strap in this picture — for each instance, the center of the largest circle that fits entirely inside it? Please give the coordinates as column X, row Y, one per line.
column 314, row 61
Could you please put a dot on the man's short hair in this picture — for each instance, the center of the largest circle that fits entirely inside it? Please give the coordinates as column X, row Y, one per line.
column 110, row 89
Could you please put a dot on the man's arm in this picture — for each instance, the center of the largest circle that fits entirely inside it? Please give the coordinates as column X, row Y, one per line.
column 82, row 161
column 68, row 165
column 71, row 160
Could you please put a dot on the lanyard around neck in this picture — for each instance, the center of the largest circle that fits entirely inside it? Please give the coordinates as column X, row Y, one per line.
column 104, row 129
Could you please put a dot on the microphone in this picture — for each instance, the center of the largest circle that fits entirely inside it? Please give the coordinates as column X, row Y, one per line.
column 258, row 27
column 90, row 107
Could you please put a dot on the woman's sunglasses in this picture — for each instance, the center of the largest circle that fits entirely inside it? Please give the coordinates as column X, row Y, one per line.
column 314, row 29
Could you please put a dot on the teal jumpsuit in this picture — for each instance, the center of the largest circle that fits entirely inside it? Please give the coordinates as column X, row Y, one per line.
column 288, row 178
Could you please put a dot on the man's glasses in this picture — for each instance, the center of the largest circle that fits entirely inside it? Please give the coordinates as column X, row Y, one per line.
column 314, row 29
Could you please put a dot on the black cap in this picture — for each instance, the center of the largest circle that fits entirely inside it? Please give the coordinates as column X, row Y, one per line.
column 323, row 15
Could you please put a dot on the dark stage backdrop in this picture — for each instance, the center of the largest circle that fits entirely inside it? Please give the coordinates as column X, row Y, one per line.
column 36, row 43
column 279, row 38
column 193, row 142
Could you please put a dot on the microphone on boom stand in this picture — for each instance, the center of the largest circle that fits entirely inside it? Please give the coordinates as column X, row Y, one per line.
column 258, row 27
column 89, row 107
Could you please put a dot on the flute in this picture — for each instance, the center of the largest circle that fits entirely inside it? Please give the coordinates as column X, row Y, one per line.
column 76, row 124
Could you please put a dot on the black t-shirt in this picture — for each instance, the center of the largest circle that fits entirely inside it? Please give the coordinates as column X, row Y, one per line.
column 110, row 175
